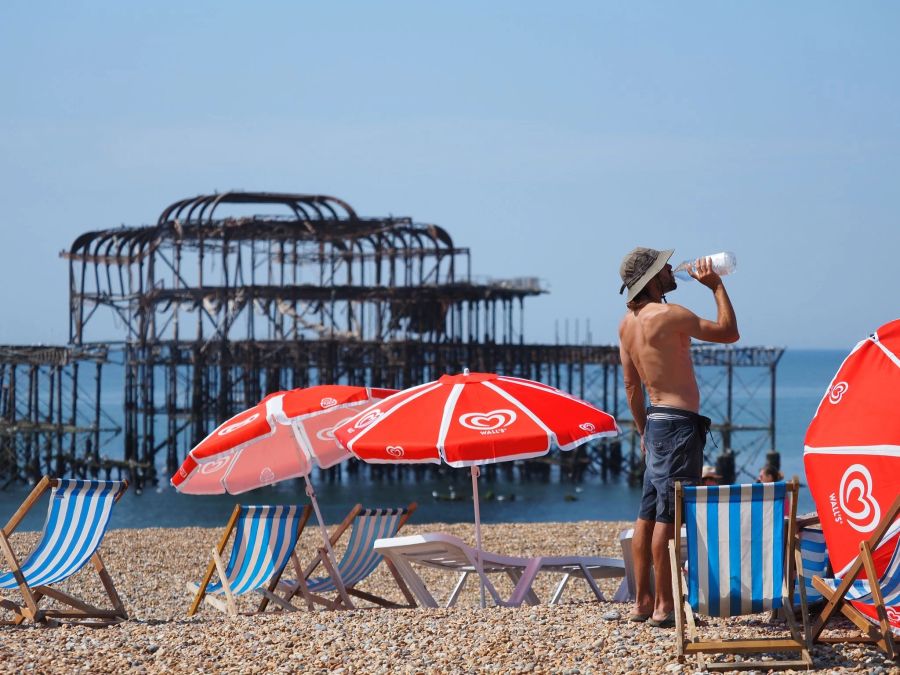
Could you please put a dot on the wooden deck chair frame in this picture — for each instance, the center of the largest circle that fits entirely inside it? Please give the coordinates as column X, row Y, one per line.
column 218, row 565
column 81, row 612
column 880, row 633
column 685, row 622
column 343, row 600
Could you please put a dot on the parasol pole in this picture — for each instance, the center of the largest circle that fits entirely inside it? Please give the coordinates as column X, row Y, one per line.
column 478, row 566
column 311, row 493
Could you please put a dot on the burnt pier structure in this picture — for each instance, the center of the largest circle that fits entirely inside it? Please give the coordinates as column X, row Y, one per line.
column 231, row 296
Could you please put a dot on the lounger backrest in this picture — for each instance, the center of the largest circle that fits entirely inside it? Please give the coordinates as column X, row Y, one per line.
column 263, row 542
column 736, row 552
column 360, row 559
column 815, row 562
column 77, row 518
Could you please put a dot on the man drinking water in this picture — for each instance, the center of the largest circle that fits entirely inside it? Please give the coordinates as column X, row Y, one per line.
column 655, row 350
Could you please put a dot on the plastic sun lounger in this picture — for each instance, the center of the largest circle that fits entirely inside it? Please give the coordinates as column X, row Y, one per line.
column 77, row 518
column 451, row 554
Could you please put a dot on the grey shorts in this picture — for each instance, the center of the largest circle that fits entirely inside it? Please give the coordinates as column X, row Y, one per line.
column 674, row 440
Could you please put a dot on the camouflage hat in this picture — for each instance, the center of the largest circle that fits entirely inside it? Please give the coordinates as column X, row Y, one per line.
column 639, row 267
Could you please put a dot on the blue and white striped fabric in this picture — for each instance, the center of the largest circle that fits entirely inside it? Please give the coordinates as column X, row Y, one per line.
column 265, row 538
column 815, row 562
column 861, row 590
column 735, row 538
column 77, row 518
column 360, row 558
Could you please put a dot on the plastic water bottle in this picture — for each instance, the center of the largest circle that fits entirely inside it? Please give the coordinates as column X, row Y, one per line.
column 722, row 263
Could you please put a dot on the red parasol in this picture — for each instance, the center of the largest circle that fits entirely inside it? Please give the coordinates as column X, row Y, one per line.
column 280, row 437
column 473, row 419
column 852, row 450
column 283, row 436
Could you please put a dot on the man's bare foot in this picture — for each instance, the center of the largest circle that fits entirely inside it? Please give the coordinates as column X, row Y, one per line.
column 641, row 612
column 664, row 621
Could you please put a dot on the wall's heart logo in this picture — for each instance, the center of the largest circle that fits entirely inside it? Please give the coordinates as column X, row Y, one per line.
column 328, row 434
column 369, row 418
column 328, row 402
column 266, row 476
column 588, row 427
column 487, row 421
column 394, row 450
column 855, row 495
column 837, row 391
column 237, row 425
column 211, row 467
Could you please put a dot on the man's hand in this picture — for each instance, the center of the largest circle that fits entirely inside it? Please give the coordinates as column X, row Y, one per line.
column 643, row 448
column 702, row 271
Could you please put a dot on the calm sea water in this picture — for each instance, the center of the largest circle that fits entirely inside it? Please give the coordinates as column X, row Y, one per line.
column 802, row 379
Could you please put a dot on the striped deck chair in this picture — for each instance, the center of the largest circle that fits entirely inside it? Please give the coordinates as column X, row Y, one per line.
column 740, row 558
column 814, row 556
column 883, row 596
column 264, row 542
column 359, row 561
column 77, row 518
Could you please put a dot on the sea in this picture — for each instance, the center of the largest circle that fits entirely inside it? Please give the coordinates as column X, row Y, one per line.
column 802, row 378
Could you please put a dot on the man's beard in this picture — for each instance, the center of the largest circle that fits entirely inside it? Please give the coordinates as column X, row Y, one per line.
column 670, row 286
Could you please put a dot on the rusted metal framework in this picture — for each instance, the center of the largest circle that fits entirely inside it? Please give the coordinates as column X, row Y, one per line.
column 214, row 306
column 316, row 271
column 220, row 306
column 51, row 420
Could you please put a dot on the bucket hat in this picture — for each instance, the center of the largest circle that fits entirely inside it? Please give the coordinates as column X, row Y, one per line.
column 639, row 267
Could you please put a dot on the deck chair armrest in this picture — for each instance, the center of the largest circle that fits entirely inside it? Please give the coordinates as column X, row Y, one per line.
column 42, row 486
column 122, row 490
column 11, row 558
column 211, row 567
column 333, row 539
column 807, row 519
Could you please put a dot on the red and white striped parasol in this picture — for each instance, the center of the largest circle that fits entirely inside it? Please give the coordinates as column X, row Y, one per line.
column 852, row 451
column 473, row 419
column 281, row 437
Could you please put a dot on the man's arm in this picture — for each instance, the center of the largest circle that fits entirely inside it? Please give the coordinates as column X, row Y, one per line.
column 724, row 329
column 634, row 391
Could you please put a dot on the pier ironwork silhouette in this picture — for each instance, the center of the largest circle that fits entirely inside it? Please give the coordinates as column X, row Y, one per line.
column 217, row 305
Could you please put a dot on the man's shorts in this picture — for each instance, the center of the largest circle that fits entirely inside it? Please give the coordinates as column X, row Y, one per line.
column 674, row 440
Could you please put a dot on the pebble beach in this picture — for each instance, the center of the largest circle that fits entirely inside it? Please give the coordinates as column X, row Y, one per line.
column 151, row 566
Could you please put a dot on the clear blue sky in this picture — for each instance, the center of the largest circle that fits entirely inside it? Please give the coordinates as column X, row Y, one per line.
column 550, row 138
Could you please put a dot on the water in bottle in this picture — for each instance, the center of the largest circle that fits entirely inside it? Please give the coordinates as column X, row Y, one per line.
column 722, row 263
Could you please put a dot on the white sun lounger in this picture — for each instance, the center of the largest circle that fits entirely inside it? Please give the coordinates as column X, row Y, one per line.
column 451, row 554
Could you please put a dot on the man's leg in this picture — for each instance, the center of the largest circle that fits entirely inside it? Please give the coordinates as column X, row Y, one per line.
column 664, row 604
column 640, row 552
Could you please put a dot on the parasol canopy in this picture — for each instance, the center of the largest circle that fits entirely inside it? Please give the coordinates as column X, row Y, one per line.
column 852, row 450
column 472, row 419
column 281, row 437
